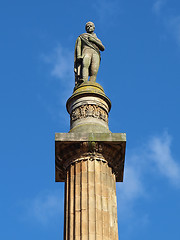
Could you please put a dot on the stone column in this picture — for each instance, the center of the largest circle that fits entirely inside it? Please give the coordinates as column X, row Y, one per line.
column 90, row 159
column 90, row 201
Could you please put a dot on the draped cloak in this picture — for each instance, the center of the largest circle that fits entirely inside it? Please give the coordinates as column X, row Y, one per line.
column 85, row 41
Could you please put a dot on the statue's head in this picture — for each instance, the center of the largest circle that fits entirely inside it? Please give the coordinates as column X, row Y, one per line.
column 90, row 27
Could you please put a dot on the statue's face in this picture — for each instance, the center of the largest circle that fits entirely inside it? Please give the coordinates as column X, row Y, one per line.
column 90, row 27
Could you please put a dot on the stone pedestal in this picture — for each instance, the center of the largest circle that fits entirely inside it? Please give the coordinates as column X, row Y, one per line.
column 88, row 108
column 90, row 159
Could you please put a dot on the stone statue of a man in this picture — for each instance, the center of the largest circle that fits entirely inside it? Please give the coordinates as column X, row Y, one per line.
column 87, row 55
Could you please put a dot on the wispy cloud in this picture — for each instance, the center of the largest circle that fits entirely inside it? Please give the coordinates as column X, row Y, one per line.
column 170, row 21
column 58, row 66
column 153, row 158
column 44, row 207
column 106, row 10
column 158, row 5
column 130, row 192
column 160, row 154
column 132, row 188
column 173, row 24
column 61, row 62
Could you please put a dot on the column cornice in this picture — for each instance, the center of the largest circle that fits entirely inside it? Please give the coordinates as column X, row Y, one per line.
column 74, row 147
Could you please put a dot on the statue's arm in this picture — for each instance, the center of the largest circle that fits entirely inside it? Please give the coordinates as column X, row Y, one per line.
column 97, row 42
column 79, row 53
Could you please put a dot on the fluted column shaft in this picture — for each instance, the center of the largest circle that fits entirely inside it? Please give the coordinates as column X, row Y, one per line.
column 90, row 203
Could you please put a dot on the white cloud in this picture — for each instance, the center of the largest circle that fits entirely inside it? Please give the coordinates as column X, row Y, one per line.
column 132, row 188
column 61, row 62
column 44, row 207
column 128, row 192
column 153, row 158
column 158, row 5
column 59, row 65
column 160, row 154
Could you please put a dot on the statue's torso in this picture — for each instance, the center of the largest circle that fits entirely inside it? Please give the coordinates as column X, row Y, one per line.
column 88, row 46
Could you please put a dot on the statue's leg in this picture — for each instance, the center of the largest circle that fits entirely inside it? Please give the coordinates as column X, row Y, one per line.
column 94, row 67
column 85, row 67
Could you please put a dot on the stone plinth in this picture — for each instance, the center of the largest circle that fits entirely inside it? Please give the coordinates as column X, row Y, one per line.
column 88, row 108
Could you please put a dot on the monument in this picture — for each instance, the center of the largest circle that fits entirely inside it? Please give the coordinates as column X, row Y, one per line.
column 89, row 158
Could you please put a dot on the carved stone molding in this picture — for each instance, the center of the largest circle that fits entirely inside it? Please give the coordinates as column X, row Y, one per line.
column 89, row 110
column 69, row 153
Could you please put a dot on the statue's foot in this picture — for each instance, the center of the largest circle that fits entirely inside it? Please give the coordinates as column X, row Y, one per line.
column 92, row 79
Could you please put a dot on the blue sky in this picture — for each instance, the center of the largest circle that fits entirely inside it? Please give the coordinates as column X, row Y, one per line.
column 140, row 73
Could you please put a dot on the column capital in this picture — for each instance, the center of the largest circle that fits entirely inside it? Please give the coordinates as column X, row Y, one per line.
column 73, row 147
